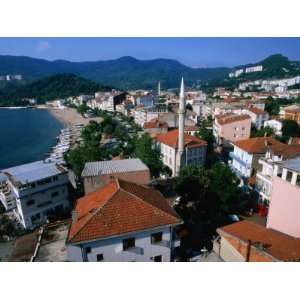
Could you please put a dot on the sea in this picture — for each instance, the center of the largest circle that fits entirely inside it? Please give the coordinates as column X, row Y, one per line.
column 26, row 135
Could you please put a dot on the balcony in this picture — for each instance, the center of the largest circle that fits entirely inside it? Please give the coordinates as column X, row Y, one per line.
column 264, row 177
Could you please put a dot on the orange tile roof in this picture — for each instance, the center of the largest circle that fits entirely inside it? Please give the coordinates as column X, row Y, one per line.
column 155, row 123
column 260, row 145
column 171, row 139
column 280, row 246
column 118, row 208
column 231, row 118
column 256, row 110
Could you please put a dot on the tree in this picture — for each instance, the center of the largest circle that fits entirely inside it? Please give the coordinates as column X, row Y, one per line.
column 290, row 128
column 265, row 131
column 82, row 108
column 91, row 134
column 272, row 106
column 145, row 151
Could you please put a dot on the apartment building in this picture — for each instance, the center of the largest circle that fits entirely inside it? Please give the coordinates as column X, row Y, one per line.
column 38, row 189
column 265, row 171
column 230, row 128
column 122, row 221
column 258, row 116
column 292, row 112
column 246, row 153
column 284, row 205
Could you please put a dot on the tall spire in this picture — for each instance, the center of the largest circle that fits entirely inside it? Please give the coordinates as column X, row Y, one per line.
column 158, row 89
column 181, row 117
column 181, row 95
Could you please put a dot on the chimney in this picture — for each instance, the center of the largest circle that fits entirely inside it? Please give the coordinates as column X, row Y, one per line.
column 248, row 250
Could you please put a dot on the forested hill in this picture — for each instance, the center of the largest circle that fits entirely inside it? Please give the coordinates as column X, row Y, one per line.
column 123, row 73
column 49, row 88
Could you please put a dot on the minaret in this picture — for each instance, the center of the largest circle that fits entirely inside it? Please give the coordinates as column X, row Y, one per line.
column 181, row 117
column 158, row 89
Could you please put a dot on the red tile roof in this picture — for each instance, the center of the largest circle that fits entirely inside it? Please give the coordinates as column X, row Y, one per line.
column 171, row 139
column 231, row 118
column 155, row 123
column 260, row 145
column 256, row 110
column 280, row 246
column 118, row 208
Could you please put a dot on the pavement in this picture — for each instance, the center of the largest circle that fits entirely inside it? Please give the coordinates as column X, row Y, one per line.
column 207, row 257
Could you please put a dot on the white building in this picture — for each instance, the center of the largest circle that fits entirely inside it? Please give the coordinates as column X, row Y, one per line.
column 265, row 174
column 122, row 221
column 246, row 154
column 38, row 189
column 275, row 125
column 258, row 116
column 254, row 69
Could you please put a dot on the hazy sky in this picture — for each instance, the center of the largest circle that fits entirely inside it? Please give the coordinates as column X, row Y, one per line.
column 200, row 52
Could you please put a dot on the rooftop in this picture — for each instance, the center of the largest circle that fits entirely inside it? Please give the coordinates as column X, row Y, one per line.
column 118, row 208
column 231, row 118
column 256, row 110
column 278, row 245
column 33, row 171
column 171, row 139
column 260, row 145
column 113, row 166
column 291, row 164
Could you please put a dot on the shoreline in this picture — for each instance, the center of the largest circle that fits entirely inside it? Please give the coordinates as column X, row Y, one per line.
column 69, row 116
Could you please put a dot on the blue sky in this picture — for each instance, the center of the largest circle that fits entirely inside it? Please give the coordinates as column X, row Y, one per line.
column 194, row 52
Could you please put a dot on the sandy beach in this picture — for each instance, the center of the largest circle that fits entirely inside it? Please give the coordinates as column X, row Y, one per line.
column 69, row 116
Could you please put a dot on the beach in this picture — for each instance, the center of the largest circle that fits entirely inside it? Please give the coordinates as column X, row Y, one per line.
column 69, row 116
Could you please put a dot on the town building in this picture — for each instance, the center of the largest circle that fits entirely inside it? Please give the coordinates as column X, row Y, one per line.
column 99, row 173
column 194, row 152
column 230, row 128
column 264, row 174
column 284, row 205
column 122, row 221
column 39, row 189
column 258, row 116
column 247, row 241
column 155, row 127
column 246, row 154
column 178, row 148
column 292, row 112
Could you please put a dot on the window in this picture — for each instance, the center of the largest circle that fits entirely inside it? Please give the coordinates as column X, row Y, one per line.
column 157, row 258
column 30, row 202
column 55, row 178
column 54, row 194
column 44, row 204
column 99, row 257
column 156, row 237
column 88, row 250
column 128, row 243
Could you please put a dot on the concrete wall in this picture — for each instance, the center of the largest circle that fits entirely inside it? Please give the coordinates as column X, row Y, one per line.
column 112, row 249
column 93, row 183
column 284, row 207
column 234, row 250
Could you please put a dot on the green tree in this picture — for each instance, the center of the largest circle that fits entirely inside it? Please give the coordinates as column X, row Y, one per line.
column 272, row 106
column 290, row 128
column 265, row 131
column 82, row 108
column 145, row 151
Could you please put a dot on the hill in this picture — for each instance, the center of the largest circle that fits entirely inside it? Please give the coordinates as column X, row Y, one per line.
column 123, row 73
column 49, row 88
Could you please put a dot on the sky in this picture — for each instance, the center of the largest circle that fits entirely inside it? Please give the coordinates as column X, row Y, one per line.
column 193, row 52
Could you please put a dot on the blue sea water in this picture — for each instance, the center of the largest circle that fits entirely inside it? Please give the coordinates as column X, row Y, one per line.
column 26, row 135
